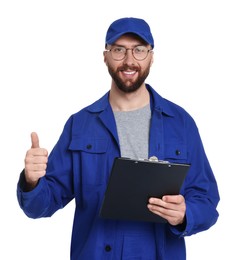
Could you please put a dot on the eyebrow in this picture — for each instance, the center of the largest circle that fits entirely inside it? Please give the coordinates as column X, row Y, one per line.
column 133, row 46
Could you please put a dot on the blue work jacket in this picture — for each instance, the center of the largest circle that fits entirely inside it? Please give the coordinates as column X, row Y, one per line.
column 79, row 166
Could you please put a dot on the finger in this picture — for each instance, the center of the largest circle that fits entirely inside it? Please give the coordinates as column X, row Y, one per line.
column 34, row 140
column 156, row 201
column 163, row 203
column 36, row 167
column 177, row 199
column 36, row 156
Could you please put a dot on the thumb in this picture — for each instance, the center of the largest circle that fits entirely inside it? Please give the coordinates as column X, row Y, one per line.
column 35, row 140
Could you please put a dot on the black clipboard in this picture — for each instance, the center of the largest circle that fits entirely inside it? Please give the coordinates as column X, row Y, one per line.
column 133, row 182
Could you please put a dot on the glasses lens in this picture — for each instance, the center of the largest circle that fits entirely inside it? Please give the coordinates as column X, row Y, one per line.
column 140, row 52
column 118, row 52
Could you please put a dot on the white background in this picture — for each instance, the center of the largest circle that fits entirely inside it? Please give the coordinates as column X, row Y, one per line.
column 51, row 65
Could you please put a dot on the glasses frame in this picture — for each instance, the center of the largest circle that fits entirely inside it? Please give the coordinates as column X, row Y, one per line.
column 131, row 49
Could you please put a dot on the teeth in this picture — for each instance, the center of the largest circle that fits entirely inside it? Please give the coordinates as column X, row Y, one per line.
column 129, row 72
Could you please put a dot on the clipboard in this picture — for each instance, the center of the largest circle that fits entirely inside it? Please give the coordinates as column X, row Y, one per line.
column 132, row 182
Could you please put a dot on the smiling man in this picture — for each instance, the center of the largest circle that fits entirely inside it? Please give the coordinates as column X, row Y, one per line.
column 130, row 120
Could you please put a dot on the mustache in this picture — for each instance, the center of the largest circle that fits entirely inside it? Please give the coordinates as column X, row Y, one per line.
column 127, row 67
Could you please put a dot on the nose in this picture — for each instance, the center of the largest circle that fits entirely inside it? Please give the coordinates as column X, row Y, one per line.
column 129, row 58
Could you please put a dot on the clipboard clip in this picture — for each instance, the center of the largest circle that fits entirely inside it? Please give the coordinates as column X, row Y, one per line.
column 155, row 159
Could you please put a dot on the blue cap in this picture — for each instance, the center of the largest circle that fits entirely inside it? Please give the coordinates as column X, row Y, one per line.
column 129, row 25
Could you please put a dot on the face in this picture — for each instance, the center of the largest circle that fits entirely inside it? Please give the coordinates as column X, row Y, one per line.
column 128, row 74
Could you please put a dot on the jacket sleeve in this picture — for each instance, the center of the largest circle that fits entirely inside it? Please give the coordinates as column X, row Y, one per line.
column 200, row 187
column 55, row 189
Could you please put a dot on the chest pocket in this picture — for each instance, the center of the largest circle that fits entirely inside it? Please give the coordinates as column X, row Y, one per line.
column 89, row 169
column 176, row 152
column 90, row 160
column 89, row 145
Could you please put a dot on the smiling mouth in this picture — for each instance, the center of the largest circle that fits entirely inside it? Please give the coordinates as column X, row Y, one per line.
column 129, row 72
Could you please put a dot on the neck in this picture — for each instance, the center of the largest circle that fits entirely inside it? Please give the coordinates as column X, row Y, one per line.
column 121, row 101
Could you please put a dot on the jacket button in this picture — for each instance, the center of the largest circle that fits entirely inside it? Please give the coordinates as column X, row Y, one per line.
column 108, row 248
column 178, row 152
column 89, row 146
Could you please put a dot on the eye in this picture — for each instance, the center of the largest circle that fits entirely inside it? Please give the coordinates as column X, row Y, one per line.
column 140, row 49
column 118, row 49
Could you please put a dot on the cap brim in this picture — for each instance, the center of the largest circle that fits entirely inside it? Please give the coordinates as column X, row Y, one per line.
column 114, row 39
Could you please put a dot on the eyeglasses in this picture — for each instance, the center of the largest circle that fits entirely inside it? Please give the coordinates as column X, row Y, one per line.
column 119, row 53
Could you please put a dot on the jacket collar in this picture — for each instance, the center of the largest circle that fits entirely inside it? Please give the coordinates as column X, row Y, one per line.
column 157, row 103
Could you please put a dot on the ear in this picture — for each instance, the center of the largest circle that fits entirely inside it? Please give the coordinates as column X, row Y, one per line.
column 152, row 59
column 104, row 57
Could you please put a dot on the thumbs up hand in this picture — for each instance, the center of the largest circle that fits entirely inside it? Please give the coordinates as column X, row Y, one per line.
column 35, row 162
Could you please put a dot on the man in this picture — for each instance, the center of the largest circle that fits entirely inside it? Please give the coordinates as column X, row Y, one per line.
column 131, row 120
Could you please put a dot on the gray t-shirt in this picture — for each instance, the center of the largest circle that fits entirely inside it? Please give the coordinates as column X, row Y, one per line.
column 133, row 132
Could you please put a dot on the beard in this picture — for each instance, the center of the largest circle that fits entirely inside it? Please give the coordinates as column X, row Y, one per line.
column 132, row 85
